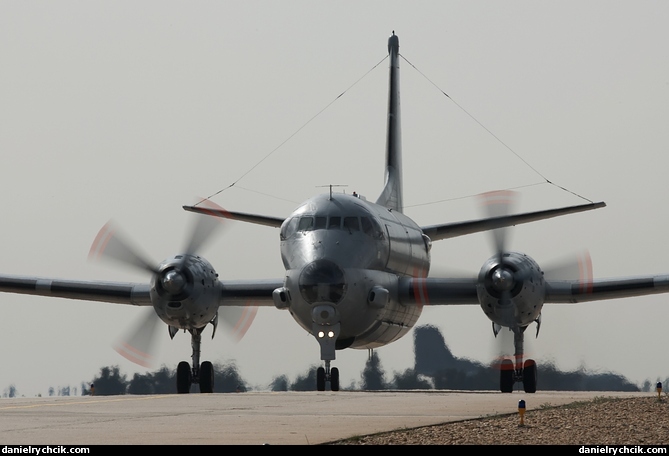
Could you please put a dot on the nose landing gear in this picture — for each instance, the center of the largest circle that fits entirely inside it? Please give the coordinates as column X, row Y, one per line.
column 327, row 374
column 326, row 328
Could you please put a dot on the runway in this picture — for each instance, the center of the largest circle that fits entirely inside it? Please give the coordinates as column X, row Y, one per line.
column 253, row 418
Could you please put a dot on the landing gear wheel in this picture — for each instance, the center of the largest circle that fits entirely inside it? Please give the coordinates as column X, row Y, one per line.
column 506, row 376
column 206, row 377
column 334, row 379
column 183, row 378
column 320, row 379
column 530, row 376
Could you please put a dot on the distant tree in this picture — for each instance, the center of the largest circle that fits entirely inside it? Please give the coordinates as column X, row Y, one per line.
column 141, row 384
column 306, row 382
column 51, row 391
column 279, row 383
column 64, row 391
column 163, row 381
column 227, row 379
column 373, row 374
column 10, row 391
column 409, row 380
column 110, row 382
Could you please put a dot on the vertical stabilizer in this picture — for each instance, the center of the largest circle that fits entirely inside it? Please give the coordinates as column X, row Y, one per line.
column 391, row 197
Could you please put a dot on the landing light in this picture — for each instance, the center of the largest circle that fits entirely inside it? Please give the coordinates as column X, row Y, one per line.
column 321, row 334
column 331, row 334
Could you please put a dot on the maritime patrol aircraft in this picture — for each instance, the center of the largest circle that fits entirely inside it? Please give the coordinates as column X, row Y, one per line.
column 356, row 275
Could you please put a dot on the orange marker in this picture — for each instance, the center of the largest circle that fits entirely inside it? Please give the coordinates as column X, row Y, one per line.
column 521, row 411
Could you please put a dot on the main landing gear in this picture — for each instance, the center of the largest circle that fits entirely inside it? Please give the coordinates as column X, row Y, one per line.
column 521, row 372
column 203, row 374
column 327, row 374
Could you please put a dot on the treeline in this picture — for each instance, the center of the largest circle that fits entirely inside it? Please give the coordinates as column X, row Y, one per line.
column 110, row 381
column 435, row 367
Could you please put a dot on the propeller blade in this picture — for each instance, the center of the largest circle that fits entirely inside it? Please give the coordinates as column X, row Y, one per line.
column 204, row 227
column 138, row 345
column 499, row 204
column 110, row 244
column 577, row 267
column 237, row 319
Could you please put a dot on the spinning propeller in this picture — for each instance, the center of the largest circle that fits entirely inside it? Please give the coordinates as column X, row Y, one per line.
column 508, row 270
column 177, row 291
column 512, row 288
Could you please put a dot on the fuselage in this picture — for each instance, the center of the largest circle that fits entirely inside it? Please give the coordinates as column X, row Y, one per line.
column 344, row 254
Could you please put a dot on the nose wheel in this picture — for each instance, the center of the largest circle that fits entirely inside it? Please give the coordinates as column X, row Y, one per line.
column 327, row 374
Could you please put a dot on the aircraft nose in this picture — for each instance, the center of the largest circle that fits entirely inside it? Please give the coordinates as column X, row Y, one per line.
column 322, row 281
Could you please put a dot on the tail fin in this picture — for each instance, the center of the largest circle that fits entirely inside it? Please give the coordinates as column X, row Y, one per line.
column 391, row 196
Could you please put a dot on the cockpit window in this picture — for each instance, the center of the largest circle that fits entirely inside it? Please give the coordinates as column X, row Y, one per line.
column 289, row 228
column 351, row 224
column 367, row 225
column 321, row 222
column 371, row 228
column 334, row 223
column 306, row 223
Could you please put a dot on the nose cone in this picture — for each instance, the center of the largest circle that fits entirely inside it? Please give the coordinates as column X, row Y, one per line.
column 322, row 281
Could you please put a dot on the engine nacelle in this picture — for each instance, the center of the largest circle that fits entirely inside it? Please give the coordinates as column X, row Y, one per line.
column 185, row 292
column 511, row 289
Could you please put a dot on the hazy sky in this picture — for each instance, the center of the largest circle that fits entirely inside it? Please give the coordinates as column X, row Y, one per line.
column 128, row 110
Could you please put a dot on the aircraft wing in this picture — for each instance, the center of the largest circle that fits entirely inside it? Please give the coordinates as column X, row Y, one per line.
column 135, row 294
column 250, row 218
column 449, row 230
column 249, row 292
column 599, row 289
column 435, row 291
column 233, row 292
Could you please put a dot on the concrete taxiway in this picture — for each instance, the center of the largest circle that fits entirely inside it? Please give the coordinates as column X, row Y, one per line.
column 251, row 418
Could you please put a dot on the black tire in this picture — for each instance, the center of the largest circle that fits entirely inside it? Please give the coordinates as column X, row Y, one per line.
column 320, row 379
column 506, row 376
column 334, row 379
column 183, row 378
column 530, row 376
column 206, row 377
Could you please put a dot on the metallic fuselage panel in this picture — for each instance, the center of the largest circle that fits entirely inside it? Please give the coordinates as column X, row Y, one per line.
column 372, row 246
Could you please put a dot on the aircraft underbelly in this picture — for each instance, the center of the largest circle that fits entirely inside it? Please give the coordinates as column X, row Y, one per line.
column 395, row 322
